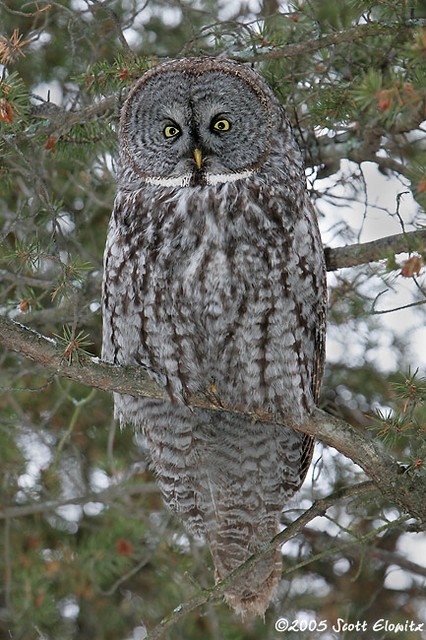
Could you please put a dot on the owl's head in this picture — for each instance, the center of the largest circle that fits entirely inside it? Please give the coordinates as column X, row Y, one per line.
column 198, row 121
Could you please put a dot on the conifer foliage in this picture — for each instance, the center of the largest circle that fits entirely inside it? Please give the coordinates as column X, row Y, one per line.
column 87, row 550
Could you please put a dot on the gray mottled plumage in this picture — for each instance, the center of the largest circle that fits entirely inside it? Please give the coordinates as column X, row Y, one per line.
column 215, row 283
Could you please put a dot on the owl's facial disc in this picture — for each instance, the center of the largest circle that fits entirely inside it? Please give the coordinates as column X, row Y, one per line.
column 195, row 129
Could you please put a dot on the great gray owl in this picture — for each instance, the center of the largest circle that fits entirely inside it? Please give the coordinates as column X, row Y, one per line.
column 214, row 283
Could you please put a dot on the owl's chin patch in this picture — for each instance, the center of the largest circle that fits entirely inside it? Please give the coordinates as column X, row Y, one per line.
column 199, row 178
column 173, row 181
column 220, row 178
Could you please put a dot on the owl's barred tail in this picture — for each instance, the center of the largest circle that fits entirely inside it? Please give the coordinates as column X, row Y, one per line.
column 251, row 593
column 228, row 479
column 257, row 471
column 235, row 531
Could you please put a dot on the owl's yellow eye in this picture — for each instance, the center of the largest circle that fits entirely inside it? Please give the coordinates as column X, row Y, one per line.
column 221, row 124
column 171, row 131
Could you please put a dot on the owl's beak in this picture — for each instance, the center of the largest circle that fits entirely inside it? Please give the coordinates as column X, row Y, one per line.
column 198, row 157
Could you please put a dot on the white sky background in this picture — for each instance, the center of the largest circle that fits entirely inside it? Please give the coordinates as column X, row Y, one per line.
column 370, row 219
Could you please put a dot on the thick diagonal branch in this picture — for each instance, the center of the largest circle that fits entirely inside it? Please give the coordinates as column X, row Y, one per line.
column 400, row 488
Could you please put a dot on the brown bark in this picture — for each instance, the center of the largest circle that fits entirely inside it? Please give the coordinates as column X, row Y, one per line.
column 356, row 254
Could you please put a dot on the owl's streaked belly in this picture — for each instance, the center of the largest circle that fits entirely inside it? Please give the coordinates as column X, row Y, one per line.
column 214, row 295
column 229, row 327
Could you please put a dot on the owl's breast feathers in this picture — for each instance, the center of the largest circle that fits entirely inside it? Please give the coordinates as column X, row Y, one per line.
column 221, row 284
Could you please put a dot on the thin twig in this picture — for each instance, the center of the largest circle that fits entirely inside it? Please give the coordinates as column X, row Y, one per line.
column 98, row 6
column 7, row 551
column 107, row 496
column 376, row 312
column 294, row 50
column 325, row 541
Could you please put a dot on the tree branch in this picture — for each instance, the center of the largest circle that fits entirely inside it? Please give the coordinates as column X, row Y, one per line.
column 60, row 121
column 355, row 254
column 351, row 255
column 358, row 32
column 402, row 489
column 326, row 541
column 107, row 496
